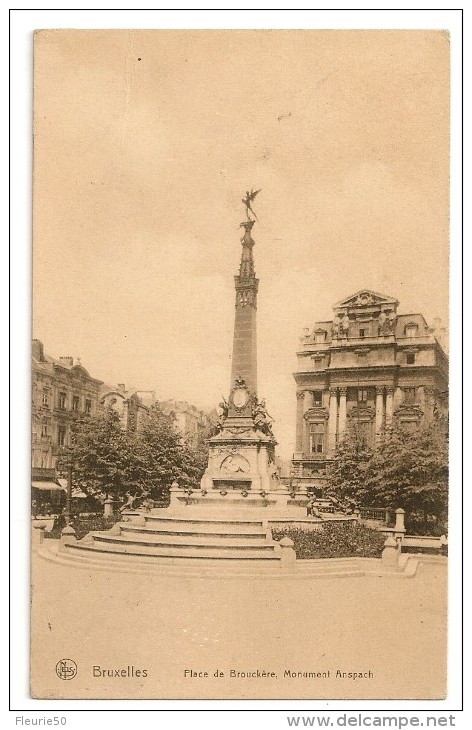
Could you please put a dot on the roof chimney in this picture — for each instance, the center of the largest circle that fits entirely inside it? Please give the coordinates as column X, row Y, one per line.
column 37, row 350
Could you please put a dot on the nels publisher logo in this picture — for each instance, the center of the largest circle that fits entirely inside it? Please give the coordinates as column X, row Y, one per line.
column 66, row 669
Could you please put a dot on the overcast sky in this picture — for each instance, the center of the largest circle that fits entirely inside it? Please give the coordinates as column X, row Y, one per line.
column 145, row 142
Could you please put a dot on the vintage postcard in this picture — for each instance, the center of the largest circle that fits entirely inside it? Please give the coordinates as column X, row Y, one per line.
column 240, row 364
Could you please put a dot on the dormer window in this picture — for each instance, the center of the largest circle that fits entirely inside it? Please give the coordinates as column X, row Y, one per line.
column 320, row 336
column 411, row 329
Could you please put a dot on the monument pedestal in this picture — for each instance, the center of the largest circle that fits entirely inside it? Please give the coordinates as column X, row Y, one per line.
column 241, row 474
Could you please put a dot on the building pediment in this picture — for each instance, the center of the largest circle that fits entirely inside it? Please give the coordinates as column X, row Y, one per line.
column 362, row 413
column 316, row 414
column 366, row 298
column 409, row 412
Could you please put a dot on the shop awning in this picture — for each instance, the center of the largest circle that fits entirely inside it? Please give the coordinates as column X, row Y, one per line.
column 47, row 486
column 77, row 493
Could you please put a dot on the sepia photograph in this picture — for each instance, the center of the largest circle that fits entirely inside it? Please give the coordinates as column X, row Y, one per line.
column 240, row 364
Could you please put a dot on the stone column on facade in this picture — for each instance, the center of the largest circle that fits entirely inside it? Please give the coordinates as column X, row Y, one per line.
column 332, row 422
column 342, row 411
column 389, row 407
column 307, row 404
column 379, row 413
column 300, row 423
column 397, row 398
column 421, row 398
column 307, row 400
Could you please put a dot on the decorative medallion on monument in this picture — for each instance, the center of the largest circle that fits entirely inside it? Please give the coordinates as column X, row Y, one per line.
column 240, row 395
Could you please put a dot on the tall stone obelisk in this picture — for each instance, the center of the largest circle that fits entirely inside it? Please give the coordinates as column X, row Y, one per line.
column 244, row 362
column 241, row 465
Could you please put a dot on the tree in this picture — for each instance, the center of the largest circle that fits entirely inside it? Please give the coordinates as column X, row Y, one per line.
column 346, row 477
column 164, row 453
column 407, row 469
column 109, row 462
column 103, row 457
column 197, row 453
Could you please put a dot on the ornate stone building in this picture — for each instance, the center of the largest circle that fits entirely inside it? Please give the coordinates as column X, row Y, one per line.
column 62, row 390
column 367, row 366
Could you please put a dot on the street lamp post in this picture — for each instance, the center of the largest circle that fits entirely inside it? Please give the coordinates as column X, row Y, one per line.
column 68, row 494
column 65, row 466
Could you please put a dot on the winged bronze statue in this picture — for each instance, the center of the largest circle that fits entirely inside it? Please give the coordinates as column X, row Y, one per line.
column 250, row 196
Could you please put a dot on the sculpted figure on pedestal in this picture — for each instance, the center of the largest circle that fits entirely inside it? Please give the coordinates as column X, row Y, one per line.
column 262, row 420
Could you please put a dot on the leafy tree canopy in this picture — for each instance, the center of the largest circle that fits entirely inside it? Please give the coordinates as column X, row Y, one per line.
column 108, row 461
column 406, row 469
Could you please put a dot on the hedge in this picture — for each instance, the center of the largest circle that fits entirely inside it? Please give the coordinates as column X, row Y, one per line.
column 334, row 540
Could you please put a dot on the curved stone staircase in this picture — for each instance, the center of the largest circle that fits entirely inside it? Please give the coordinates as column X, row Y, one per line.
column 169, row 544
column 182, row 540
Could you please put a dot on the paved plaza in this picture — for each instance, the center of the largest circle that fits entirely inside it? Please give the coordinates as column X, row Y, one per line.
column 295, row 638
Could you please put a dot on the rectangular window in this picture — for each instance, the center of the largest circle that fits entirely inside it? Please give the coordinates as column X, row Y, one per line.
column 410, row 395
column 410, row 358
column 362, row 395
column 318, row 398
column 364, row 429
column 46, row 397
column 61, row 435
column 409, row 426
column 62, row 401
column 411, row 330
column 88, row 405
column 75, row 403
column 317, row 438
column 44, row 429
column 362, row 332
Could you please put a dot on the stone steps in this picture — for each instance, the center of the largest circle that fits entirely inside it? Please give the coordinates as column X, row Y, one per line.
column 179, row 552
column 208, row 523
column 203, row 542
column 192, row 530
column 125, row 562
column 165, row 538
column 223, row 569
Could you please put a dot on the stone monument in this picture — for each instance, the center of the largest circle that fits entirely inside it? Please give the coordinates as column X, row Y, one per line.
column 225, row 519
column 241, row 465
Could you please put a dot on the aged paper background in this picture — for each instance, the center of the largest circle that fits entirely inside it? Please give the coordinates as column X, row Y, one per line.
column 144, row 143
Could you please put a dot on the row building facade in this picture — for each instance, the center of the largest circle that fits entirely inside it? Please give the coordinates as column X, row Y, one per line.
column 369, row 366
column 63, row 390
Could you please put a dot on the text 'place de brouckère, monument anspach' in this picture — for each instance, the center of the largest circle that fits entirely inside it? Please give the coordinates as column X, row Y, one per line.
column 227, row 517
